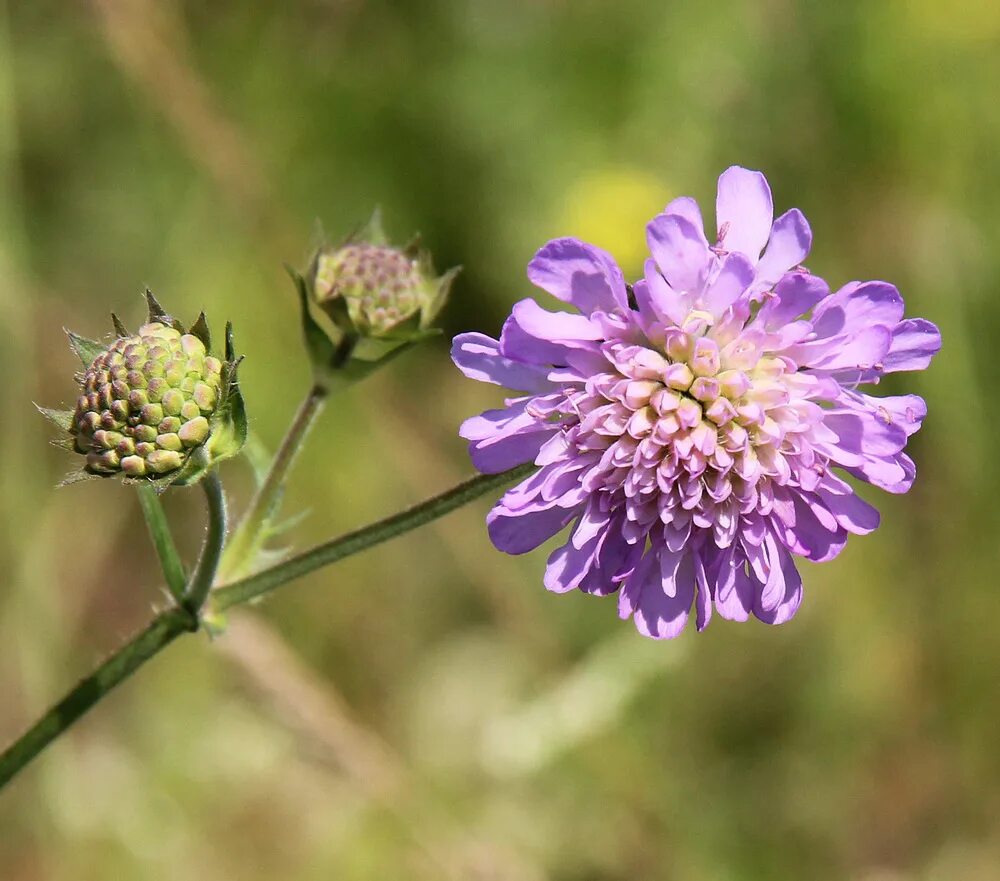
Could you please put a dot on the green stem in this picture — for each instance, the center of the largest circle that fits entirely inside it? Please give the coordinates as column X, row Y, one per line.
column 266, row 580
column 163, row 541
column 170, row 624
column 211, row 551
column 247, row 537
column 164, row 629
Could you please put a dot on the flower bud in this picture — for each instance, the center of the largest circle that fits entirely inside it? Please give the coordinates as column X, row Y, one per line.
column 155, row 405
column 370, row 288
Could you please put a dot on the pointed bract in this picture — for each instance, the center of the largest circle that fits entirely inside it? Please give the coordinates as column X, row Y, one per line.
column 86, row 350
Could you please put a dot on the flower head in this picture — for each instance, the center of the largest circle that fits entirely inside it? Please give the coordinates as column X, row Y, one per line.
column 373, row 289
column 154, row 405
column 691, row 427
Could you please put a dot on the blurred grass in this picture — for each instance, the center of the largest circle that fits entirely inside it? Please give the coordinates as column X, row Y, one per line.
column 192, row 147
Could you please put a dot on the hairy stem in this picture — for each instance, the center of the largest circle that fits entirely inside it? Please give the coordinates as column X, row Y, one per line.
column 324, row 554
column 163, row 541
column 170, row 624
column 211, row 551
column 248, row 535
column 164, row 629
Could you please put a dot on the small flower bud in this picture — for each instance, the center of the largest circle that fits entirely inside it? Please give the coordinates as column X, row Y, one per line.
column 372, row 289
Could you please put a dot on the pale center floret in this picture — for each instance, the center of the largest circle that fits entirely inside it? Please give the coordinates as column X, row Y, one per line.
column 695, row 429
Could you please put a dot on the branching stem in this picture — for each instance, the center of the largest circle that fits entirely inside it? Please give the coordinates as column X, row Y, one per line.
column 168, row 625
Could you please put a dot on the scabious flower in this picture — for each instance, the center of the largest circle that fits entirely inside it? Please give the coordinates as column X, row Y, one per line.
column 695, row 428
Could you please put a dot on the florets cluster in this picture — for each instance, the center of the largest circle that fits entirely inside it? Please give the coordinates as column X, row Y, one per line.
column 691, row 426
column 154, row 406
column 381, row 286
column 146, row 402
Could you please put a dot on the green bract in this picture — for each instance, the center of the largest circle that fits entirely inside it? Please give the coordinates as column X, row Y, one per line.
column 154, row 406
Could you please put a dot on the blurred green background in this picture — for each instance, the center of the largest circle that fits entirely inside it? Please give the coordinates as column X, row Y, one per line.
column 429, row 710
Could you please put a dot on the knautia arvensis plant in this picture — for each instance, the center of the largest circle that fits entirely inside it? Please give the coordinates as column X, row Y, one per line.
column 154, row 405
column 689, row 427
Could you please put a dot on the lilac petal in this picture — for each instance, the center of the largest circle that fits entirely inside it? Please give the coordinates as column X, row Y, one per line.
column 863, row 433
column 743, row 211
column 563, row 328
column 615, row 560
column 857, row 306
column 680, row 251
column 516, row 342
column 524, row 495
column 647, row 568
column 562, row 478
column 478, row 357
column 794, row 295
column 769, row 574
column 816, row 533
column 734, row 589
column 496, row 456
column 735, row 276
column 788, row 603
column 894, row 475
column 666, row 597
column 495, row 424
column 581, row 274
column 568, row 565
column 669, row 306
column 687, row 208
column 501, row 439
column 703, row 595
column 914, row 342
column 593, row 523
column 856, row 351
column 852, row 512
column 515, row 533
column 788, row 246
column 907, row 411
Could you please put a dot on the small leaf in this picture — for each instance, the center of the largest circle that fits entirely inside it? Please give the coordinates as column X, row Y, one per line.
column 200, row 330
column 86, row 350
column 120, row 330
column 230, row 348
column 440, row 297
column 318, row 344
column 61, row 418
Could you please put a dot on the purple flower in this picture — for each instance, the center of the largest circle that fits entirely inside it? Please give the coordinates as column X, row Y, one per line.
column 694, row 428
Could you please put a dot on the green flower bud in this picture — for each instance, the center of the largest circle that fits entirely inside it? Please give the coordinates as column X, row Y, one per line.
column 365, row 302
column 154, row 405
column 370, row 288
